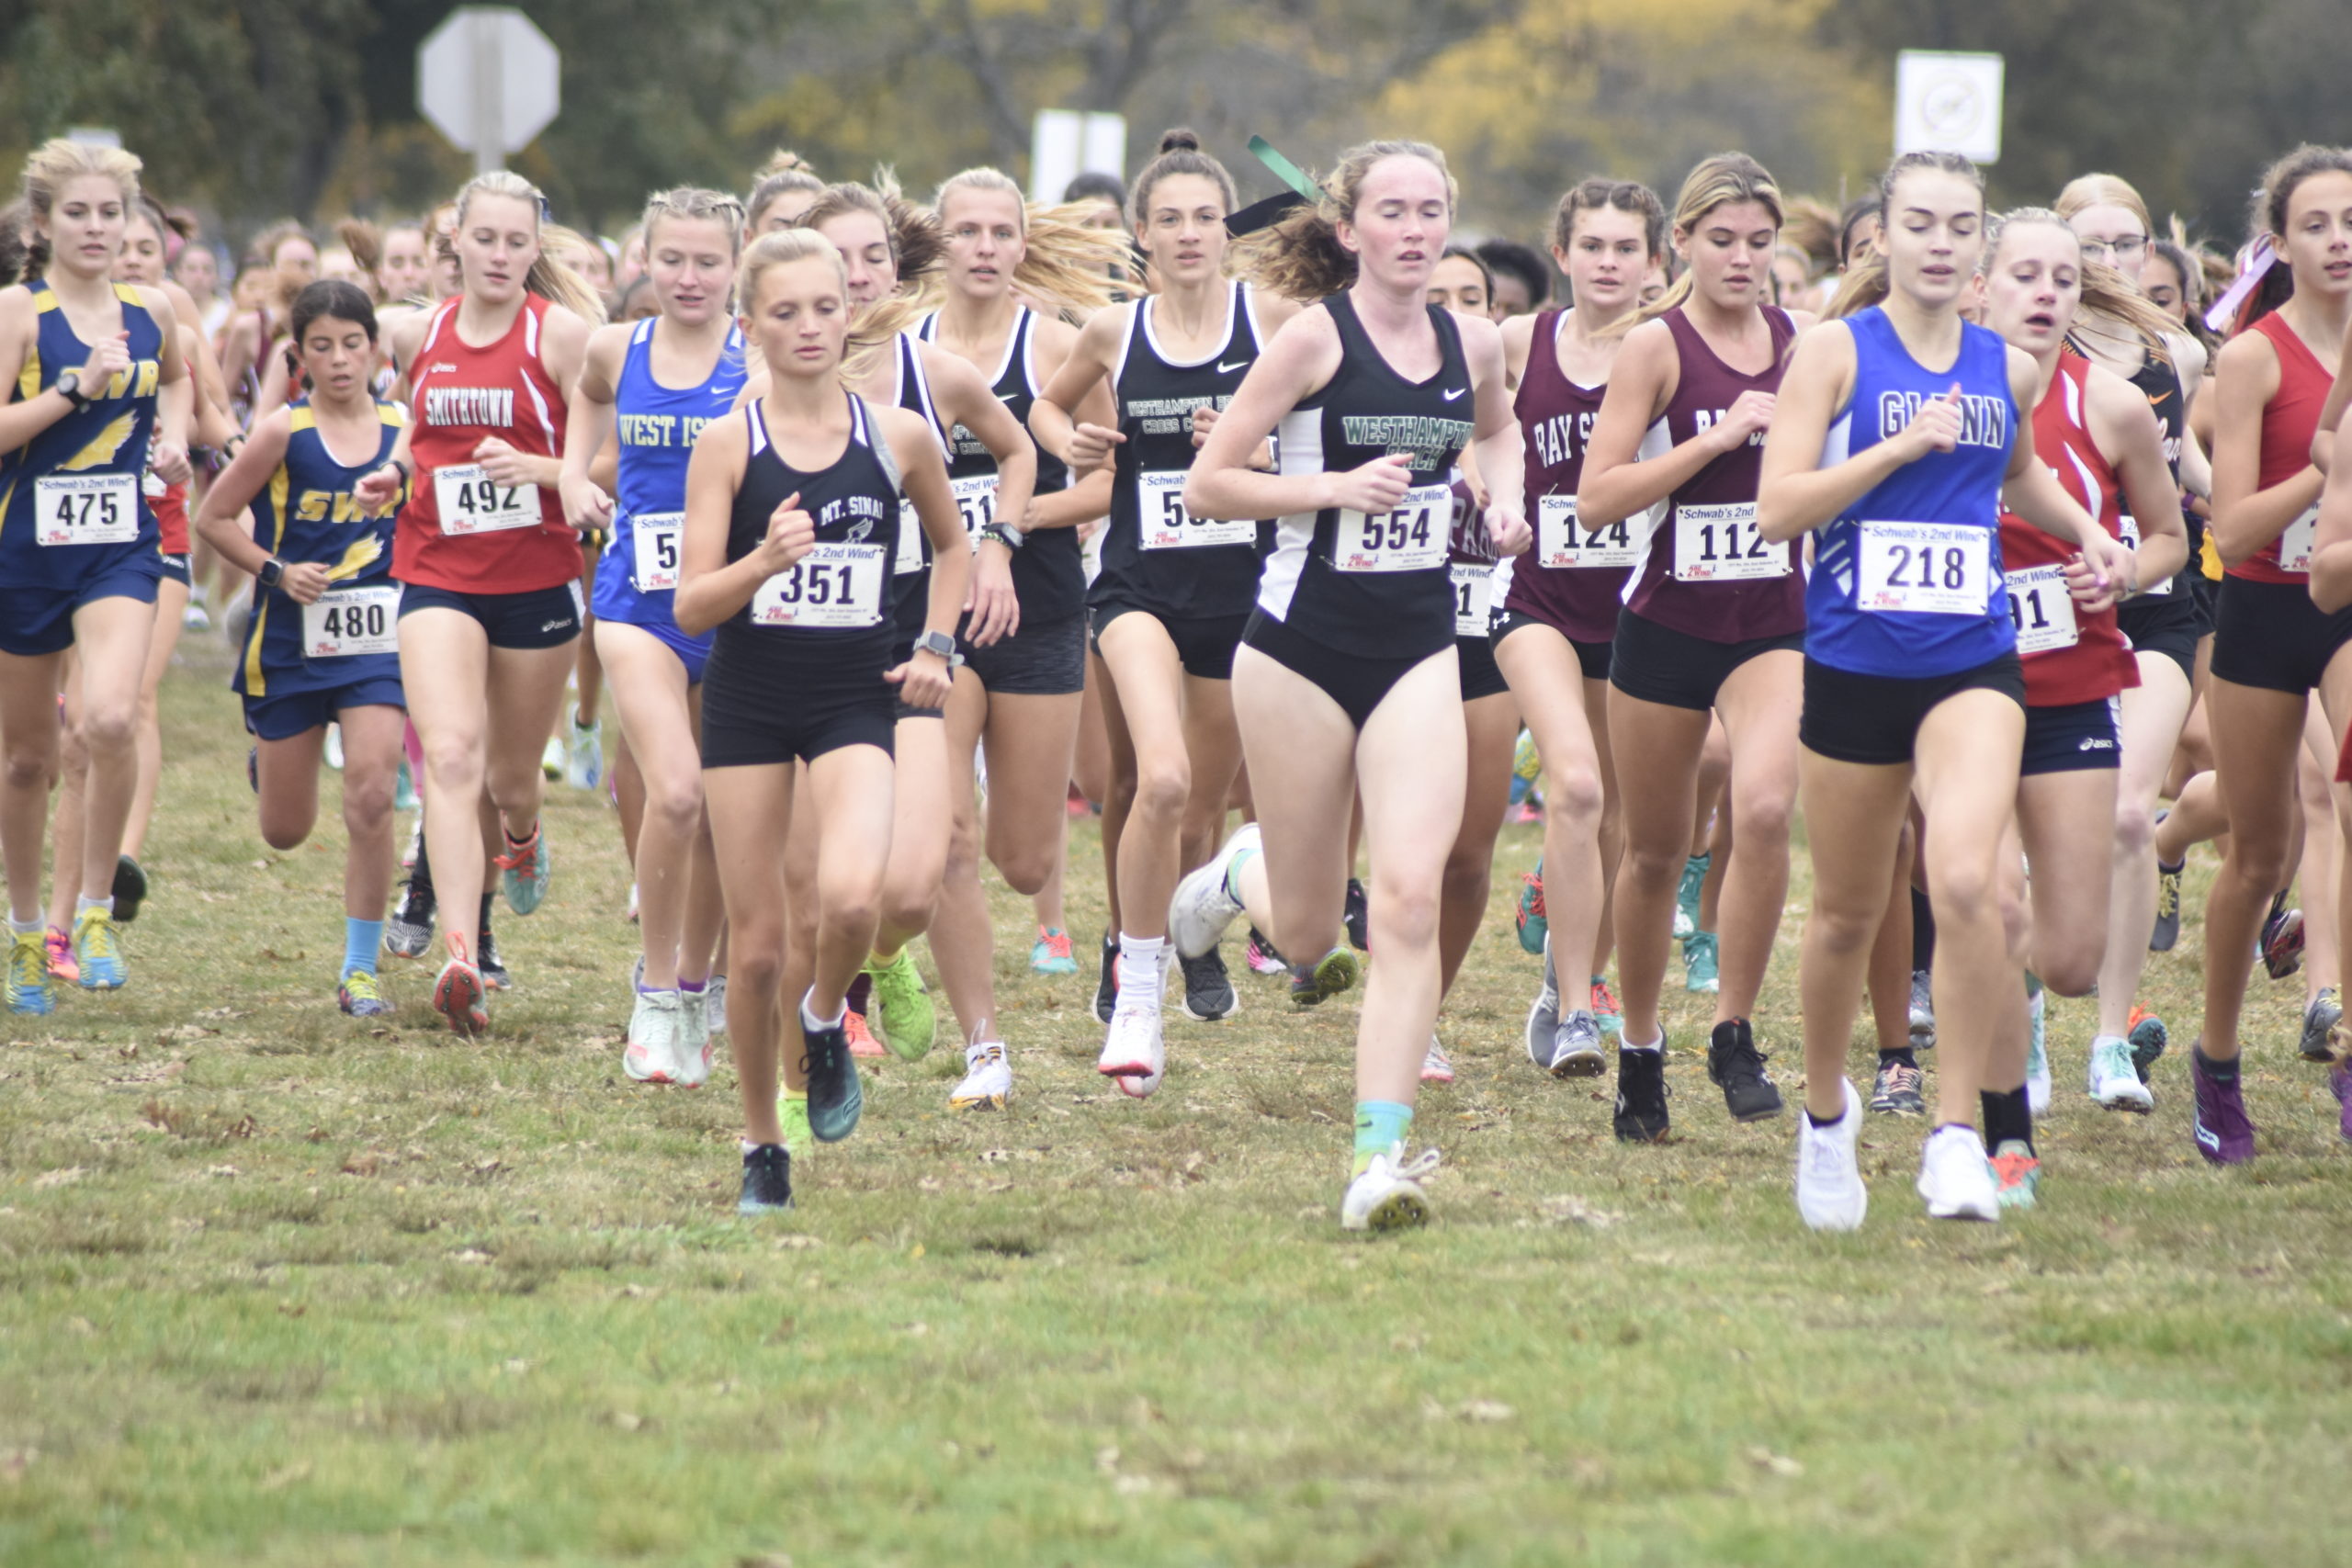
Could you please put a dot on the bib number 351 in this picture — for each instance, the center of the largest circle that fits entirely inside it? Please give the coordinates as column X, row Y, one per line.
column 833, row 587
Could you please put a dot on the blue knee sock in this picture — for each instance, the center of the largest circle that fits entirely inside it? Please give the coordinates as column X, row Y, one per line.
column 360, row 939
column 1381, row 1125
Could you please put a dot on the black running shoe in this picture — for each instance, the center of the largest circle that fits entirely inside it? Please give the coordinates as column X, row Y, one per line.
column 1106, row 989
column 1641, row 1097
column 836, row 1098
column 409, row 931
column 2148, row 1039
column 768, row 1180
column 1208, row 990
column 2167, row 929
column 1359, row 917
column 1735, row 1065
column 486, row 960
column 129, row 887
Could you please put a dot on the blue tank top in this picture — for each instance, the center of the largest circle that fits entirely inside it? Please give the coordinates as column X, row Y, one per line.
column 307, row 513
column 638, row 579
column 1907, row 581
column 77, row 483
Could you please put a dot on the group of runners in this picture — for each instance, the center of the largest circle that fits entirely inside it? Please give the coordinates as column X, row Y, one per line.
column 875, row 517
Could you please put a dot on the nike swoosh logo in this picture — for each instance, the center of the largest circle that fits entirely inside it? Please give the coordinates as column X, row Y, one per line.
column 1225, row 369
column 2157, row 399
column 1456, row 394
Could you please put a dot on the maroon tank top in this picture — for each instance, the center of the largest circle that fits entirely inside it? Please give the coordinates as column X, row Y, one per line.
column 1707, row 572
column 1571, row 579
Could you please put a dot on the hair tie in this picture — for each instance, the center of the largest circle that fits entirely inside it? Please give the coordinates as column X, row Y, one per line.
column 2258, row 261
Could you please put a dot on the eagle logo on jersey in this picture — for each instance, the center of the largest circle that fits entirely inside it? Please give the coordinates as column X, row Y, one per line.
column 364, row 552
column 103, row 447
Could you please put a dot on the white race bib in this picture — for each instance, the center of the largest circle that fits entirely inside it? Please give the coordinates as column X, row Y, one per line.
column 86, row 509
column 1561, row 541
column 1923, row 569
column 347, row 621
column 909, row 556
column 2129, row 526
column 1413, row 538
column 2041, row 609
column 1160, row 503
column 656, row 536
column 833, row 588
column 976, row 498
column 1472, row 580
column 2295, row 543
column 1720, row 544
column 470, row 502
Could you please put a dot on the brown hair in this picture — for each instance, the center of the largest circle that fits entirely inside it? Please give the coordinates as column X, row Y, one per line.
column 1180, row 153
column 916, row 246
column 54, row 163
column 1301, row 255
column 783, row 172
column 551, row 278
column 2269, row 216
column 1626, row 196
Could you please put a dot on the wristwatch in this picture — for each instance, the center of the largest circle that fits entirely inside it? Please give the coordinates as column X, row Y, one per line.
column 69, row 385
column 272, row 572
column 1011, row 539
column 939, row 643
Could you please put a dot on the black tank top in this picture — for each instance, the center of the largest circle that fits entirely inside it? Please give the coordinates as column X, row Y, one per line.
column 910, row 566
column 1157, row 555
column 1375, row 586
column 2159, row 382
column 1048, row 578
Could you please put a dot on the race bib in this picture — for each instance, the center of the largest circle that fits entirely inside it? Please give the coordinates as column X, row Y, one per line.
column 656, row 535
column 909, row 557
column 1471, row 581
column 470, row 502
column 2041, row 609
column 832, row 588
column 1720, row 544
column 2130, row 527
column 1159, row 502
column 1923, row 569
column 1413, row 538
column 347, row 621
column 86, row 509
column 2295, row 543
column 976, row 498
column 1562, row 542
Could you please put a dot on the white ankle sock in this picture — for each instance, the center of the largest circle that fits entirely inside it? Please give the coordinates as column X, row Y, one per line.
column 1139, row 959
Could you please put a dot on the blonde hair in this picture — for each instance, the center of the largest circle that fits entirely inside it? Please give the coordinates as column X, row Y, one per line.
column 2106, row 292
column 694, row 204
column 2086, row 191
column 868, row 335
column 1065, row 263
column 54, row 165
column 551, row 278
column 1301, row 255
column 1721, row 181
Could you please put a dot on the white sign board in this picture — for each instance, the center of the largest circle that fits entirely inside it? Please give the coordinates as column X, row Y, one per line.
column 1948, row 103
column 1064, row 144
column 488, row 80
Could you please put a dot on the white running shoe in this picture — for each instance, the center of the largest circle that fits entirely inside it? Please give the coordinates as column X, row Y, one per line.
column 987, row 1079
column 694, row 1039
column 652, row 1055
column 1436, row 1066
column 1134, row 1053
column 1543, row 1018
column 583, row 756
column 2112, row 1080
column 1831, row 1195
column 1923, row 1012
column 1203, row 907
column 714, row 1005
column 1955, row 1178
column 1388, row 1195
column 2037, row 1052
column 334, row 747
column 415, row 845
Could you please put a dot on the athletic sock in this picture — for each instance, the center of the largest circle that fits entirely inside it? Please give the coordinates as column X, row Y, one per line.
column 692, row 987
column 360, row 939
column 1241, row 857
column 24, row 927
column 1381, row 1125
column 83, row 906
column 2006, row 1117
column 861, row 992
column 1923, row 932
column 1139, row 961
column 481, row 926
column 812, row 1021
column 2173, row 869
column 1900, row 1056
column 2222, row 1074
column 1655, row 1045
column 514, row 843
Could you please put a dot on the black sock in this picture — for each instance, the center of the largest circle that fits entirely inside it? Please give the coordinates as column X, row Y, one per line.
column 419, row 876
column 2222, row 1074
column 1900, row 1056
column 2007, row 1116
column 1923, row 933
column 482, row 927
column 861, row 992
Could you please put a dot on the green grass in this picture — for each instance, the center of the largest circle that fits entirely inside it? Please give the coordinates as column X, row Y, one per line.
column 276, row 1289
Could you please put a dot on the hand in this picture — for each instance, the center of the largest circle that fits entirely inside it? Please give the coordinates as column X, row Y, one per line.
column 109, row 359
column 993, row 607
column 1935, row 428
column 923, row 682
column 791, row 534
column 1204, row 421
column 378, row 488
column 585, row 504
column 304, row 582
column 1374, row 487
column 168, row 460
column 2101, row 573
column 1507, row 527
column 1751, row 413
column 504, row 464
column 1090, row 448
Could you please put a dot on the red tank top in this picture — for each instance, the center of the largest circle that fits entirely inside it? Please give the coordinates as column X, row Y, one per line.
column 169, row 503
column 502, row 539
column 1707, row 573
column 1572, row 579
column 2070, row 655
column 2289, row 423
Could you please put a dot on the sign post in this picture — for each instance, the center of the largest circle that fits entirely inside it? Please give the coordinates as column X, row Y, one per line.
column 1065, row 143
column 489, row 80
column 1948, row 103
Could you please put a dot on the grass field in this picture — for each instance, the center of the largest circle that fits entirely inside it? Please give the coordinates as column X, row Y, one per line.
column 279, row 1290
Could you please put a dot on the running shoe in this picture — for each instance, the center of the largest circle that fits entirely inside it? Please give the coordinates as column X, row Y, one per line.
column 1051, row 953
column 987, row 1079
column 2148, row 1037
column 2167, row 927
column 714, row 1005
column 98, row 950
column 459, row 994
column 792, row 1110
column 415, row 851
column 1320, row 983
column 902, row 1016
column 836, row 1096
column 651, row 1054
column 29, row 976
column 1543, row 1018
column 861, row 1039
column 1606, row 1012
column 1641, row 1116
column 2037, row 1051
column 252, row 768
column 334, row 747
column 551, row 759
column 361, row 997
column 195, row 617
column 1698, row 964
column 2016, row 1175
column 1436, row 1066
column 584, row 762
column 1831, row 1195
column 61, row 957
column 632, row 913
column 1533, row 921
column 523, row 870
column 1687, row 893
column 1357, row 917
column 2339, row 1082
column 1261, row 957
column 404, row 797
column 1955, row 1179
column 1208, row 989
column 1896, row 1090
column 1134, row 1054
column 408, row 931
column 1923, row 1010
column 129, row 890
column 1204, row 904
column 1388, row 1195
column 486, row 959
column 2281, row 947
column 1738, row 1068
column 1106, row 983
column 768, row 1180
column 2112, row 1080
column 1576, row 1050
column 2224, row 1133
column 693, row 1038
column 2320, row 1019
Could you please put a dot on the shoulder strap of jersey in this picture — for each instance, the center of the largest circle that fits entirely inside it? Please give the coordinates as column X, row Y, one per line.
column 759, row 427
column 868, row 429
column 1127, row 341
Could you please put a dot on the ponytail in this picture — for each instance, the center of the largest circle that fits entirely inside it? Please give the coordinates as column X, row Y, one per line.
column 1067, row 263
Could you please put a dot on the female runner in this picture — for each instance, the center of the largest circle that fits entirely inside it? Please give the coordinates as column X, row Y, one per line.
column 657, row 384
column 1556, row 617
column 1713, row 617
column 1174, row 590
column 322, row 646
column 489, row 570
column 100, row 393
column 1897, row 435
column 1347, row 677
column 792, row 516
column 785, row 188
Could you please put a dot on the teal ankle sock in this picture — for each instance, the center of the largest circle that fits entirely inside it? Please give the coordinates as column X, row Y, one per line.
column 360, row 941
column 1381, row 1125
column 1233, row 873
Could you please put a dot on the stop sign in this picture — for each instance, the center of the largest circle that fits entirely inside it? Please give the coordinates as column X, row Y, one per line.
column 487, row 78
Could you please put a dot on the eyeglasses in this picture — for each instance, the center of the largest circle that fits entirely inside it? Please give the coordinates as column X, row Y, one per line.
column 2122, row 250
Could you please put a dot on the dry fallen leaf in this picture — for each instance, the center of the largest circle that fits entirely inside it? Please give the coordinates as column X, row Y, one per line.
column 61, row 1177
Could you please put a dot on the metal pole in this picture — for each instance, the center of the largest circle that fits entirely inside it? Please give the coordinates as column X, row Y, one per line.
column 487, row 35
